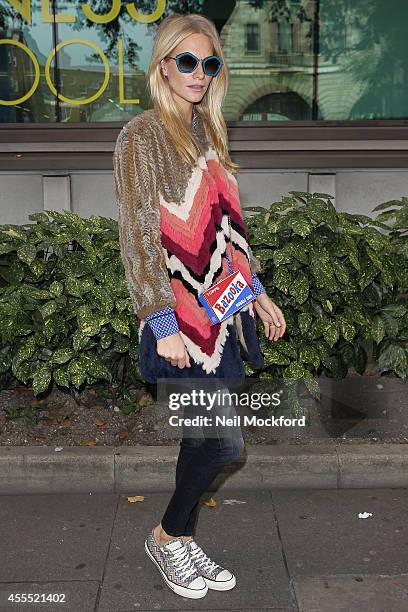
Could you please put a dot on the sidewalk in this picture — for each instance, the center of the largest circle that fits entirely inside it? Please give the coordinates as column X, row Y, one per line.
column 292, row 550
column 321, row 465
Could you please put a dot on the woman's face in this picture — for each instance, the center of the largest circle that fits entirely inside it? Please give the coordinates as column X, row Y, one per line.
column 180, row 82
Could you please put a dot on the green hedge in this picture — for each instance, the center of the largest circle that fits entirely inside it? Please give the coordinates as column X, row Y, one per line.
column 340, row 279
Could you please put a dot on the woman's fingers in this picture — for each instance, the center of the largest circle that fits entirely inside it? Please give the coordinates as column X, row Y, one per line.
column 272, row 318
column 181, row 362
column 281, row 319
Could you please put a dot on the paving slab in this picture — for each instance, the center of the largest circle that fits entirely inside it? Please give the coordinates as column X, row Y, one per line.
column 231, row 535
column 76, row 596
column 54, row 544
column 301, row 550
column 375, row 593
column 322, row 533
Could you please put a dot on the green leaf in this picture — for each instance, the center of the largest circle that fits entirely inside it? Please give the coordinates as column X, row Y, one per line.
column 22, row 372
column 321, row 268
column 395, row 310
column 61, row 376
column 367, row 275
column 78, row 287
column 88, row 323
column 300, row 288
column 301, row 225
column 294, row 371
column 41, row 379
column 391, row 324
column 39, row 216
column 309, row 354
column 331, row 333
column 48, row 308
column 25, row 351
column 377, row 329
column 5, row 359
column 79, row 341
column 56, row 288
column 6, row 247
column 27, row 252
column 388, row 204
column 77, row 372
column 272, row 356
column 37, row 267
column 62, row 355
column 312, row 384
column 282, row 279
column 348, row 330
column 305, row 320
column 95, row 367
column 360, row 359
column 394, row 358
column 120, row 324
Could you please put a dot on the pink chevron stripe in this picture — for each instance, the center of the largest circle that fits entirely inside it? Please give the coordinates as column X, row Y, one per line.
column 195, row 257
column 192, row 319
column 199, row 212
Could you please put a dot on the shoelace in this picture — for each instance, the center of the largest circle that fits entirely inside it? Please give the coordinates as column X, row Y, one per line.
column 200, row 558
column 182, row 561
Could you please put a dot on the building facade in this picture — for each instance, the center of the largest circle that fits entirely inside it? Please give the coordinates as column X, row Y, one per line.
column 317, row 99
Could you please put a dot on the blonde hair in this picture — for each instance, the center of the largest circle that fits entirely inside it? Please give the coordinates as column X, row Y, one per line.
column 171, row 31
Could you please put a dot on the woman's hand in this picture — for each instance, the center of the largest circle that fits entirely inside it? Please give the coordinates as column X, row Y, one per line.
column 173, row 349
column 271, row 316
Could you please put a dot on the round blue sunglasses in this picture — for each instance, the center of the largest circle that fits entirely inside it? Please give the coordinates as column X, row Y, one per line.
column 188, row 62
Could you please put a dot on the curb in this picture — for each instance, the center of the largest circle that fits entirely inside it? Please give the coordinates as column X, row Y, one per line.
column 138, row 469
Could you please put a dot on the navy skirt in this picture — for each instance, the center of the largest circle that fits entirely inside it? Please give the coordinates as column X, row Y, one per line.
column 152, row 366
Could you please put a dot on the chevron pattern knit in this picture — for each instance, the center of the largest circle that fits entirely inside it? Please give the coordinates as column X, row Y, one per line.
column 173, row 229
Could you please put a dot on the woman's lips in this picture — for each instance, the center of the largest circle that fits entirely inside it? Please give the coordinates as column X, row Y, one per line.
column 196, row 87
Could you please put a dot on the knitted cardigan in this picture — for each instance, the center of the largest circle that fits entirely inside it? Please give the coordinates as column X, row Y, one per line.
column 173, row 230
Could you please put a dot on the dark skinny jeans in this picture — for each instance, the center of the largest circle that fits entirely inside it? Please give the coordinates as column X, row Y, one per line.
column 200, row 459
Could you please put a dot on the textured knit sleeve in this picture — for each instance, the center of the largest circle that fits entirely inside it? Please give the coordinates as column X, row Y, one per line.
column 139, row 225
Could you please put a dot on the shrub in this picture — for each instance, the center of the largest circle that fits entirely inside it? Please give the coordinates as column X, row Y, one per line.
column 340, row 279
column 65, row 311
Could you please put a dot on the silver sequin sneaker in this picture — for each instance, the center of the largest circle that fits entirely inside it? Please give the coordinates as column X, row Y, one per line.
column 176, row 567
column 215, row 576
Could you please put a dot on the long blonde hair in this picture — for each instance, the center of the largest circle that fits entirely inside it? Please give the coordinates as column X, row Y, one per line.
column 171, row 31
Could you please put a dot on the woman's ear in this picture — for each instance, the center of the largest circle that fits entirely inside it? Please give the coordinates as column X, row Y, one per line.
column 162, row 64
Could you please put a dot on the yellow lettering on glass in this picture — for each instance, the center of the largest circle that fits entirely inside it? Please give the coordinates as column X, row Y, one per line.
column 122, row 98
column 23, row 7
column 143, row 18
column 107, row 17
column 34, row 86
column 48, row 17
column 105, row 63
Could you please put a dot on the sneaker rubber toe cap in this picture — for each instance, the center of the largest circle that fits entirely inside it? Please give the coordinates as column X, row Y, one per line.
column 197, row 584
column 224, row 576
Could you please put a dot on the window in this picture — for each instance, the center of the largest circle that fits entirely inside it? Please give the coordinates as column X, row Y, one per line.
column 316, row 59
column 252, row 40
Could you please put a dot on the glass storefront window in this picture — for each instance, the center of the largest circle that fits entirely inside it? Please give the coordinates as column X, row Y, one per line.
column 289, row 60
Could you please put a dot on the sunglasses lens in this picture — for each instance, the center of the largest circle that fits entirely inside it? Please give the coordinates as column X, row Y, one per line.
column 212, row 66
column 187, row 63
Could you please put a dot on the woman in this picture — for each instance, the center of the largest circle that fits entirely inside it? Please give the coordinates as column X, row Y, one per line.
column 179, row 210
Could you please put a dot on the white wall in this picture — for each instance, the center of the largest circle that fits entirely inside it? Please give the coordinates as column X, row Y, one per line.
column 92, row 192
